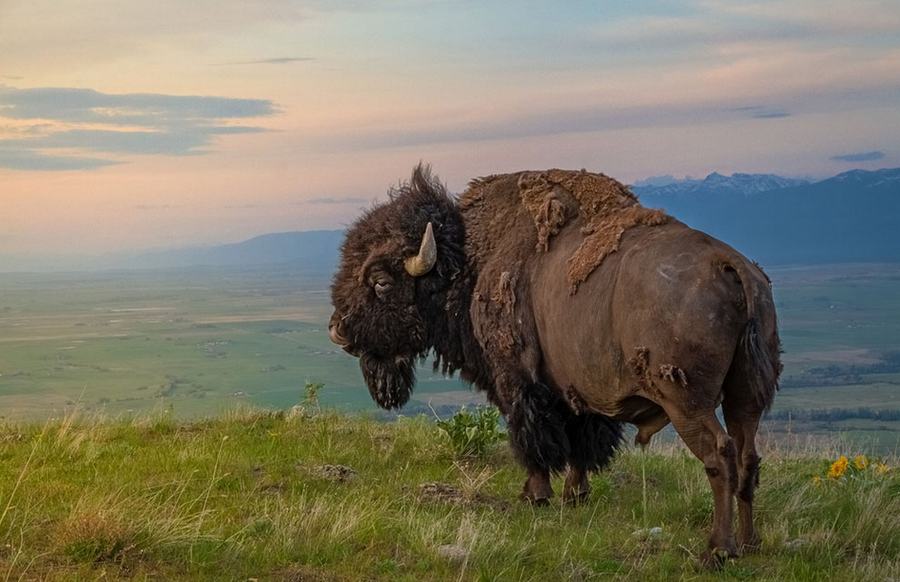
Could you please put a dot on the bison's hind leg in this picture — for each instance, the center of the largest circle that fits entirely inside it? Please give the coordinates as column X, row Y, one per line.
column 743, row 428
column 705, row 437
column 742, row 414
column 748, row 389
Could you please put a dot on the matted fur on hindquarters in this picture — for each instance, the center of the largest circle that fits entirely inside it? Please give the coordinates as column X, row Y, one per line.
column 537, row 429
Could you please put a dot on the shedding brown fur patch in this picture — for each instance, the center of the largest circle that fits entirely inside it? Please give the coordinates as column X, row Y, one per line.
column 576, row 402
column 640, row 367
column 673, row 374
column 606, row 207
column 603, row 238
column 504, row 303
column 640, row 361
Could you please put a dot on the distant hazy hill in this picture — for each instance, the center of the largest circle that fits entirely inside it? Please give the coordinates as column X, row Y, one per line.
column 854, row 216
column 314, row 249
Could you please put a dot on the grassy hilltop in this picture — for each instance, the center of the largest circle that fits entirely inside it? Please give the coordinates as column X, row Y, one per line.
column 323, row 496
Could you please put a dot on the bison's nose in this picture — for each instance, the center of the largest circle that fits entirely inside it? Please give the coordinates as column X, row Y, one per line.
column 334, row 333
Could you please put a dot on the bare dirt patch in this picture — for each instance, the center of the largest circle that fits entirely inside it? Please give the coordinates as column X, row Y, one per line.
column 336, row 473
column 437, row 492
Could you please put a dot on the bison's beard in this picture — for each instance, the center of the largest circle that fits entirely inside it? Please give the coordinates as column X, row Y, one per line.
column 390, row 380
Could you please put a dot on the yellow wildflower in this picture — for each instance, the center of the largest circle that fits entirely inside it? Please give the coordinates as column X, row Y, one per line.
column 860, row 462
column 881, row 469
column 839, row 467
column 817, row 480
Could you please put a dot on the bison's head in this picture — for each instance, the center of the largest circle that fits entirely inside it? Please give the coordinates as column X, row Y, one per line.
column 397, row 262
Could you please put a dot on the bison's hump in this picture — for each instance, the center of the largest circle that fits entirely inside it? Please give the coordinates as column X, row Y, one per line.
column 607, row 209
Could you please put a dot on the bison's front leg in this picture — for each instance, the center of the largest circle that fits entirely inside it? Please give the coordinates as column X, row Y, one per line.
column 537, row 488
column 577, row 488
column 537, row 435
column 593, row 440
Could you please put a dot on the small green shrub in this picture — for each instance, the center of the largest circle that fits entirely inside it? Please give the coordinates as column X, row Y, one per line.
column 473, row 433
column 95, row 538
column 311, row 394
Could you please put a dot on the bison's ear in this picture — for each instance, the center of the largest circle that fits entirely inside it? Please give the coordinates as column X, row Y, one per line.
column 422, row 263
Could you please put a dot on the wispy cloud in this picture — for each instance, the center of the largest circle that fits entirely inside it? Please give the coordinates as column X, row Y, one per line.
column 29, row 160
column 710, row 23
column 760, row 111
column 548, row 122
column 770, row 114
column 84, row 120
column 89, row 106
column 336, row 200
column 859, row 156
column 272, row 61
column 158, row 206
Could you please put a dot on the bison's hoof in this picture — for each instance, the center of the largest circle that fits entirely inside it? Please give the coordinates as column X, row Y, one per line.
column 715, row 558
column 533, row 500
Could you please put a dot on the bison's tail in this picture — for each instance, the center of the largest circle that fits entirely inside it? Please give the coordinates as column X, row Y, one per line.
column 761, row 367
column 758, row 358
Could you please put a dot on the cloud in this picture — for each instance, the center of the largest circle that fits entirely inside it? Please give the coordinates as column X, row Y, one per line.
column 36, row 161
column 335, row 200
column 89, row 106
column 84, row 120
column 708, row 23
column 666, row 33
column 760, row 111
column 770, row 114
column 859, row 156
column 273, row 61
column 157, row 206
column 548, row 122
column 815, row 16
column 174, row 142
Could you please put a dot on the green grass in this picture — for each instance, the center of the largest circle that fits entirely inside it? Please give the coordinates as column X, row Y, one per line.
column 327, row 496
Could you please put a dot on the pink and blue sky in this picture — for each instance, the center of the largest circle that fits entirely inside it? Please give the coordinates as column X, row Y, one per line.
column 147, row 124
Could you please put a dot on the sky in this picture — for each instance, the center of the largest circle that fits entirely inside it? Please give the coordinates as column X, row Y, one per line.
column 147, row 124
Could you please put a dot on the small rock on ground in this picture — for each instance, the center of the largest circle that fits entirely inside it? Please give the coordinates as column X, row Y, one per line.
column 339, row 473
column 453, row 553
column 795, row 544
column 440, row 492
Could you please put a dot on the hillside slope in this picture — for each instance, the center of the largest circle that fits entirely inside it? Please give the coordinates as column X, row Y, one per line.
column 315, row 250
column 327, row 497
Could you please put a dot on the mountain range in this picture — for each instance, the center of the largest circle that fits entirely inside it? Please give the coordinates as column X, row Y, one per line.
column 850, row 217
column 738, row 183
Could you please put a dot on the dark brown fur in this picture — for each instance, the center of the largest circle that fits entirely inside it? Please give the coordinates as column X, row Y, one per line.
column 667, row 323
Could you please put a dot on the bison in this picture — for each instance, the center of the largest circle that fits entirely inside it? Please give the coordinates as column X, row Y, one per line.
column 574, row 309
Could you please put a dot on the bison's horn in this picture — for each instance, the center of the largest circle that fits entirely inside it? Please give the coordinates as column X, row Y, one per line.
column 422, row 263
